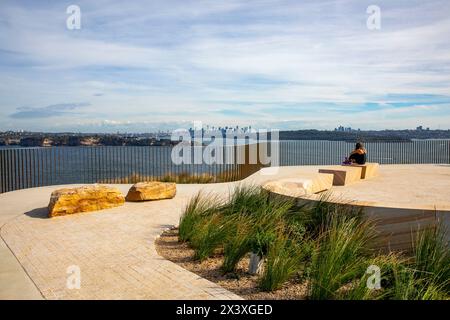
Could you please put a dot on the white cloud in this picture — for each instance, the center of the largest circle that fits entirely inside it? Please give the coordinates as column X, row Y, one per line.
column 133, row 61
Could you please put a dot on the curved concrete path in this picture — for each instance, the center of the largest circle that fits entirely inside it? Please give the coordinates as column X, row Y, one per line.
column 113, row 249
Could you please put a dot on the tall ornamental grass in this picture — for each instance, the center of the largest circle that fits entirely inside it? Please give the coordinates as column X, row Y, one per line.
column 341, row 252
column 283, row 260
column 326, row 245
column 198, row 208
column 210, row 233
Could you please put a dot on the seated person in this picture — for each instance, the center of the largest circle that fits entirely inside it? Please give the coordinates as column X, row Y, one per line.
column 359, row 155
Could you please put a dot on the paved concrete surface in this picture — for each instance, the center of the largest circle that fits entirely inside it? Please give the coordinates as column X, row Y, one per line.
column 421, row 187
column 114, row 248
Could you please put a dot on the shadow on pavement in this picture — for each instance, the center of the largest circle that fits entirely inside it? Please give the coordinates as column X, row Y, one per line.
column 39, row 213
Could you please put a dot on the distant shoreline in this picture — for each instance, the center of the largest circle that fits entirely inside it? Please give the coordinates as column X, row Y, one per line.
column 172, row 144
column 42, row 139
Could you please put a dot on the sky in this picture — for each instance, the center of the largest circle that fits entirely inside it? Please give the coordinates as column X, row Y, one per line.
column 142, row 65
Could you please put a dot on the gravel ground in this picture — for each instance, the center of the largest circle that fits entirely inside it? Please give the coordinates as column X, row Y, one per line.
column 240, row 282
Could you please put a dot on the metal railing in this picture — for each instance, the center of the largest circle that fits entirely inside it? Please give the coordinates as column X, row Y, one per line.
column 22, row 168
column 310, row 152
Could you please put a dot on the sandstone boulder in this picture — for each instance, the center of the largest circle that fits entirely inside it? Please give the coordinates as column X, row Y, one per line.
column 296, row 187
column 154, row 190
column 84, row 199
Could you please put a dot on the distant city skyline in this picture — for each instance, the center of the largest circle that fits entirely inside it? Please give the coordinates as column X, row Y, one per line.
column 140, row 66
column 227, row 128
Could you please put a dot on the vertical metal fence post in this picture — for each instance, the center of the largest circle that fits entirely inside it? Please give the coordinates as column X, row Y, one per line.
column 40, row 166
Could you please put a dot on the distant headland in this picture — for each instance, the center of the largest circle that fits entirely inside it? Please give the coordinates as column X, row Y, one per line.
column 45, row 139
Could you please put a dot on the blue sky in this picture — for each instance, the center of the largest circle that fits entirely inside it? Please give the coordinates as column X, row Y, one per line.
column 147, row 65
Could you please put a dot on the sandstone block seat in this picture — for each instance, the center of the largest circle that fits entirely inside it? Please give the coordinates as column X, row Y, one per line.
column 155, row 190
column 343, row 175
column 84, row 199
column 300, row 186
column 368, row 170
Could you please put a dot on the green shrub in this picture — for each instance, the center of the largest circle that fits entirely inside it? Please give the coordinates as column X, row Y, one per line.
column 210, row 233
column 435, row 292
column 198, row 207
column 432, row 256
column 326, row 243
column 426, row 275
column 253, row 232
column 246, row 239
column 256, row 224
column 283, row 260
column 246, row 200
column 339, row 256
column 406, row 285
column 409, row 284
column 238, row 244
column 359, row 290
column 261, row 241
column 314, row 216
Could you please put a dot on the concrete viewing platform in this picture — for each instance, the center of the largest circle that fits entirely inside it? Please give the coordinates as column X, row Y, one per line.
column 401, row 199
column 114, row 248
column 423, row 187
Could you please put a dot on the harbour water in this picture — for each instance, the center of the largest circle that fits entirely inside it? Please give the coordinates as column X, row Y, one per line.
column 29, row 167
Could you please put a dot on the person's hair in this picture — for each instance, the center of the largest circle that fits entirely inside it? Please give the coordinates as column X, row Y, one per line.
column 359, row 145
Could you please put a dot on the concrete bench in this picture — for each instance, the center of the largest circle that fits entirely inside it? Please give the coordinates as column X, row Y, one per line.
column 343, row 175
column 309, row 184
column 368, row 170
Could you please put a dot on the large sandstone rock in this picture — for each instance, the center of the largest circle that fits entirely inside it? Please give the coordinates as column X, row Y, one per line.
column 83, row 199
column 154, row 190
column 296, row 187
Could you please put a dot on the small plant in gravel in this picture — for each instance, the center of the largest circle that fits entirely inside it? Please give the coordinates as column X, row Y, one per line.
column 340, row 254
column 211, row 233
column 432, row 256
column 359, row 290
column 425, row 276
column 314, row 216
column 328, row 245
column 252, row 233
column 237, row 245
column 420, row 276
column 283, row 260
column 261, row 241
column 246, row 200
column 199, row 207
